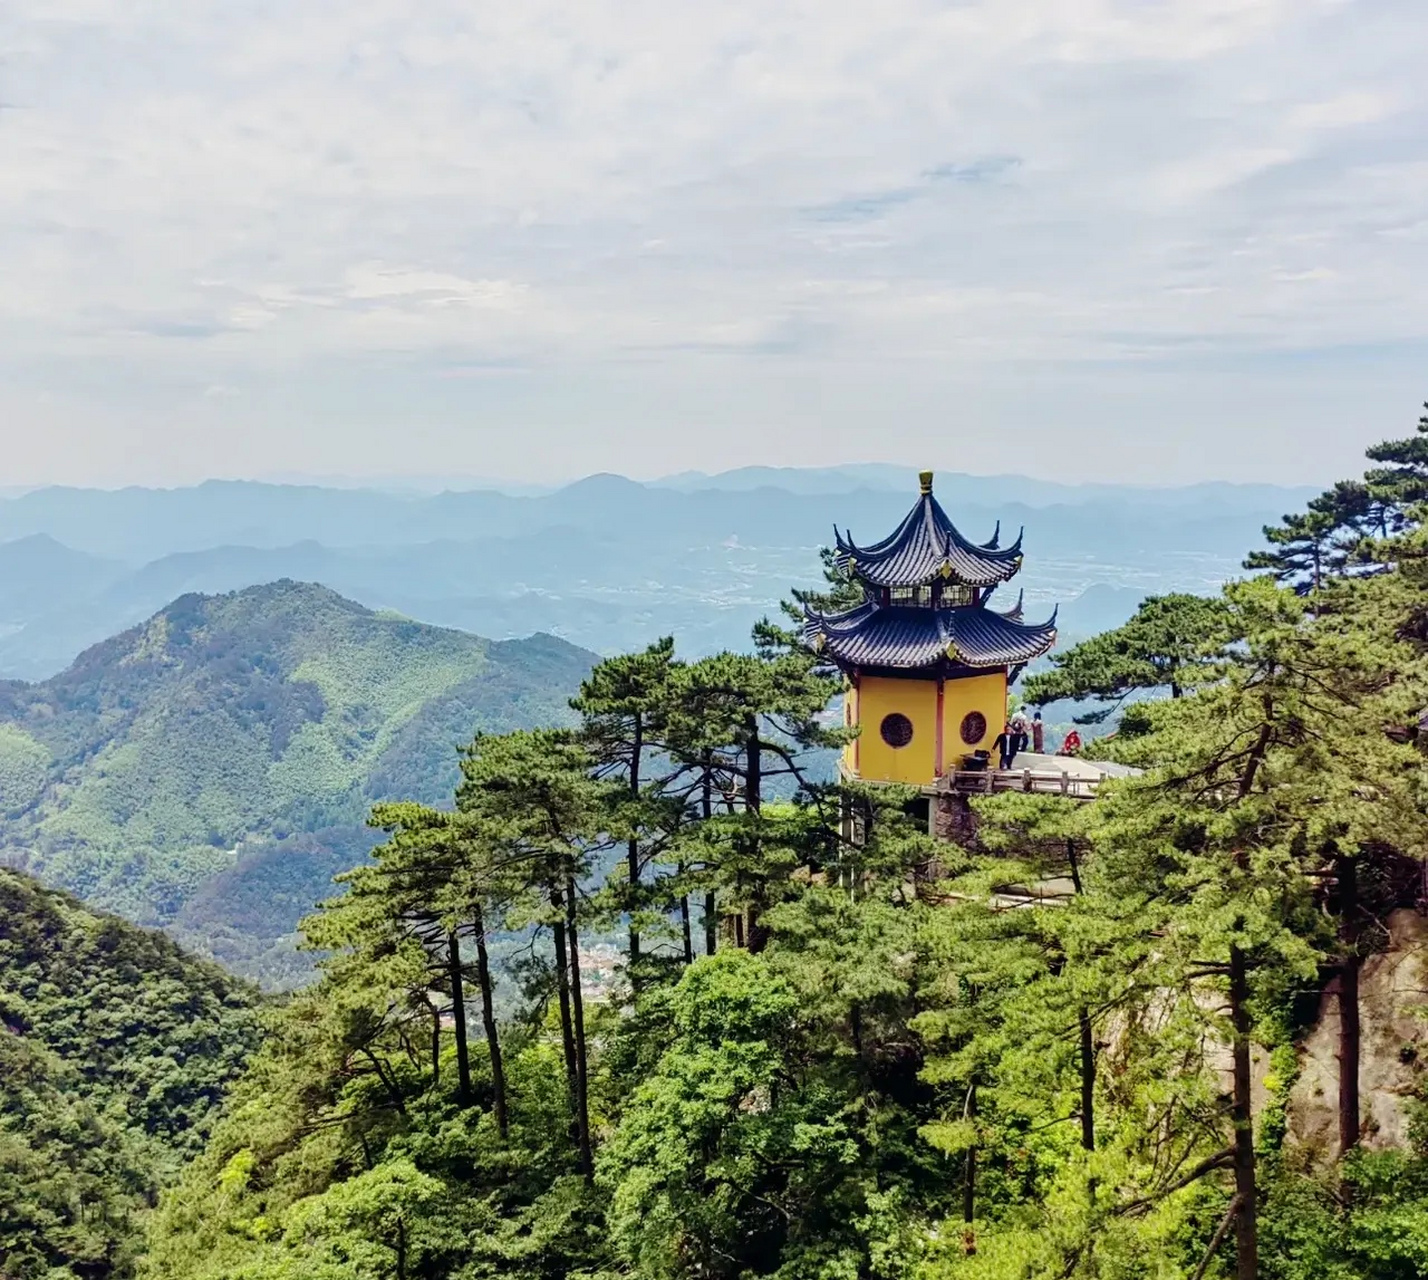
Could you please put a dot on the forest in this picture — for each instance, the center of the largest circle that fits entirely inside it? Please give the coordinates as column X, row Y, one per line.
column 836, row 1047
column 116, row 1050
column 210, row 770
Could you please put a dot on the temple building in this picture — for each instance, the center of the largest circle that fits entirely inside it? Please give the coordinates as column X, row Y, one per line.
column 927, row 659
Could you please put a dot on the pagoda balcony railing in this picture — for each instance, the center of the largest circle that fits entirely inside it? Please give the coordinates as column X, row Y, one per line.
column 986, row 782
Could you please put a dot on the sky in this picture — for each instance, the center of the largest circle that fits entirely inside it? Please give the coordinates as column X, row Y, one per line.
column 1141, row 240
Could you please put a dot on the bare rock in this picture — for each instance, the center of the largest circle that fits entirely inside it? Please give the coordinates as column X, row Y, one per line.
column 1393, row 1013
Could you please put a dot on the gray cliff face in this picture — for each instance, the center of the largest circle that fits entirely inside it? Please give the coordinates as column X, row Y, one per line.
column 1393, row 1011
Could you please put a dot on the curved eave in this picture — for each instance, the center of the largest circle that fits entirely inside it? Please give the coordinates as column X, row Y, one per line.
column 923, row 639
column 1015, row 613
column 924, row 547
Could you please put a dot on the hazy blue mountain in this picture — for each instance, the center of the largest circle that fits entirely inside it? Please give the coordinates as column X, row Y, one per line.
column 606, row 563
column 983, row 490
column 1099, row 608
column 868, row 475
column 34, row 570
column 139, row 525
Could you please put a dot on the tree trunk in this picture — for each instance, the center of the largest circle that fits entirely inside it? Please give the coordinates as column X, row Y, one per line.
column 435, row 1045
column 1088, row 1081
column 757, row 935
column 458, row 1017
column 1246, row 1220
column 1348, row 1006
column 577, row 1003
column 706, row 810
column 1075, row 866
column 1246, row 1234
column 637, row 748
column 754, row 766
column 488, row 1021
column 1088, row 1039
column 684, row 925
column 969, row 1172
column 562, row 986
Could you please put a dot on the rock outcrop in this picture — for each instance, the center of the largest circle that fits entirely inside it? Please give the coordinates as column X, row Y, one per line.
column 1393, row 1012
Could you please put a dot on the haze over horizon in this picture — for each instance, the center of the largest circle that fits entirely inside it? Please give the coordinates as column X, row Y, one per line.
column 1099, row 240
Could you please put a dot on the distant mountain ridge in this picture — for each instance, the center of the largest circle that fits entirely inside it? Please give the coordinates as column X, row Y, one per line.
column 607, row 563
column 959, row 486
column 177, row 750
column 138, row 525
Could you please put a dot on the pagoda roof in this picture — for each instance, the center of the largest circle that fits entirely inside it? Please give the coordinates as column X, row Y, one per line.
column 927, row 545
column 912, row 638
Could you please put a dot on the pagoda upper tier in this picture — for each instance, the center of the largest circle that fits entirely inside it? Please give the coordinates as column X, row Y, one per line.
column 927, row 546
column 924, row 610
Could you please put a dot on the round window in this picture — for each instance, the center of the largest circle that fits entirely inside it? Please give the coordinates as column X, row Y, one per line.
column 896, row 729
column 974, row 728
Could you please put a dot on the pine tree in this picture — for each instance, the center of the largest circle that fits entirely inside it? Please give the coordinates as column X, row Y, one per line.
column 749, row 721
column 1403, row 482
column 1304, row 550
column 1254, row 786
column 625, row 704
column 536, row 799
column 1170, row 643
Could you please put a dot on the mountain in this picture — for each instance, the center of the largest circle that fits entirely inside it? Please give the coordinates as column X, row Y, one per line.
column 116, row 1049
column 224, row 727
column 34, row 567
column 139, row 525
column 958, row 487
column 607, row 563
column 1099, row 608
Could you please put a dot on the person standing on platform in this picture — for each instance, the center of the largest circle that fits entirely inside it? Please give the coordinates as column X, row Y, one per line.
column 1006, row 746
column 1038, row 734
column 1021, row 730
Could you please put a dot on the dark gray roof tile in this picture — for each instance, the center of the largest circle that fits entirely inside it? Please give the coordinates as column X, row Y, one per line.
column 924, row 546
column 916, row 638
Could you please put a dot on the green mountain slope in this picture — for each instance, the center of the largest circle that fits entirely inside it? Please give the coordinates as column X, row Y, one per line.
column 115, row 1049
column 187, row 746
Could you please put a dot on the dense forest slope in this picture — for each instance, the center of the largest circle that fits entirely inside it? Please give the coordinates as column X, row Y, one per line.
column 217, row 738
column 115, row 1048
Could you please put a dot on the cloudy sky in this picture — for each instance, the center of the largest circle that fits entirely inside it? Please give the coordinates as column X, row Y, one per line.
column 1122, row 239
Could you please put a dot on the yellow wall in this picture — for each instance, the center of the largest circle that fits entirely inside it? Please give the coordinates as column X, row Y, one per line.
column 917, row 699
column 871, row 758
column 985, row 693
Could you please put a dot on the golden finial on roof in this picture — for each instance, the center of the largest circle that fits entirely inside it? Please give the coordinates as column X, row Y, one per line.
column 924, row 478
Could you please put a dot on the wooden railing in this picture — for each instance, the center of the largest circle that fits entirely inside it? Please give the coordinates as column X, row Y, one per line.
column 985, row 782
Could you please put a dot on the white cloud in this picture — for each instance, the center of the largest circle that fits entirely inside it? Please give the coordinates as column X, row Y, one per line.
column 1358, row 106
column 377, row 280
column 195, row 194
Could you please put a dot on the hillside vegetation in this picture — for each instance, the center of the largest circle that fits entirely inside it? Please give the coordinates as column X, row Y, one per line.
column 1070, row 1044
column 115, row 1051
column 227, row 726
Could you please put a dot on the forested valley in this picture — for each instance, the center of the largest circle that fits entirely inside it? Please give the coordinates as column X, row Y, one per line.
column 1074, row 1046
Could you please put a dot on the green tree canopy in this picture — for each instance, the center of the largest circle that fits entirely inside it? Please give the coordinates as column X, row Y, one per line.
column 1172, row 642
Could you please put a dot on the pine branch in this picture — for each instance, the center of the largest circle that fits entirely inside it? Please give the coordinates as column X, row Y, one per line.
column 1208, row 1165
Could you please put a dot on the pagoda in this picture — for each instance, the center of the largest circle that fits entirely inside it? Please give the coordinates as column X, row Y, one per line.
column 927, row 661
